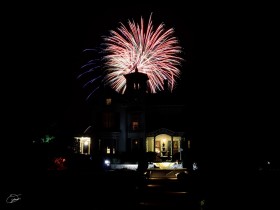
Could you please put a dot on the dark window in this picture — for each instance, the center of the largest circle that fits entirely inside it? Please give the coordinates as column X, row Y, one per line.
column 135, row 145
column 108, row 120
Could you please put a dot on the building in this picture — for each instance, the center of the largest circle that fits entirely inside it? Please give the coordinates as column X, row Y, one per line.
column 137, row 122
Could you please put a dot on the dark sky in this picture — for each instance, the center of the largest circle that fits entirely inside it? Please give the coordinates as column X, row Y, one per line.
column 229, row 79
column 45, row 55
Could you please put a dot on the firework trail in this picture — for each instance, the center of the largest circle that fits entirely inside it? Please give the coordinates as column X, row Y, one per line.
column 93, row 69
column 154, row 52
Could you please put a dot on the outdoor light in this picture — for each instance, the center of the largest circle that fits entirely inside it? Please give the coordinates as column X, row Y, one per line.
column 107, row 162
column 195, row 167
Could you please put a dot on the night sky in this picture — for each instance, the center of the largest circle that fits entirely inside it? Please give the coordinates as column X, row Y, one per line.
column 229, row 77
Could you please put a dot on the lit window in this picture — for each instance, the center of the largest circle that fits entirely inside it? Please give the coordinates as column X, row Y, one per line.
column 108, row 150
column 136, row 86
column 108, row 101
column 135, row 125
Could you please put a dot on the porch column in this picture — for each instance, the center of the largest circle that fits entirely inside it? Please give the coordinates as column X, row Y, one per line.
column 154, row 143
column 172, row 145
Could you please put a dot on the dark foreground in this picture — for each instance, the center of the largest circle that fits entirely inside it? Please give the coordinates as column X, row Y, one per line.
column 127, row 189
column 123, row 189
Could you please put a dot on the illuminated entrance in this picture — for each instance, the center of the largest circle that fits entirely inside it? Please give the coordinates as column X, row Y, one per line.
column 166, row 144
column 84, row 145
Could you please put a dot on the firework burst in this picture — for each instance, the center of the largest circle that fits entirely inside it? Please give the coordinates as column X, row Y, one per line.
column 154, row 52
